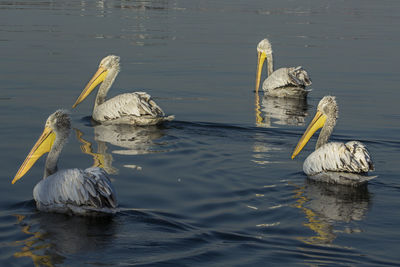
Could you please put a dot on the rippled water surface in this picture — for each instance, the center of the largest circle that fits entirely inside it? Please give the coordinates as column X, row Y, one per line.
column 216, row 186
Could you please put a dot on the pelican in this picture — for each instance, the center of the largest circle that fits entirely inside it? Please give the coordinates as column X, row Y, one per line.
column 334, row 162
column 284, row 82
column 130, row 108
column 71, row 191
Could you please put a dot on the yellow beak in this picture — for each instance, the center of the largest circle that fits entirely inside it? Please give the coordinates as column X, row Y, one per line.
column 97, row 78
column 43, row 145
column 317, row 123
column 260, row 63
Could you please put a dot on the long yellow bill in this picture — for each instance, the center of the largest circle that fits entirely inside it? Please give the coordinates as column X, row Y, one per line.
column 317, row 123
column 43, row 145
column 260, row 63
column 97, row 78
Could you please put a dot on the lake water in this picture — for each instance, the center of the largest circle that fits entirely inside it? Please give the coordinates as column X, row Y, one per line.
column 217, row 185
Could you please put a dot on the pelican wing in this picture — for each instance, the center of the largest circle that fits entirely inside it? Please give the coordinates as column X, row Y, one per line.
column 77, row 191
column 129, row 104
column 299, row 76
column 352, row 157
column 287, row 77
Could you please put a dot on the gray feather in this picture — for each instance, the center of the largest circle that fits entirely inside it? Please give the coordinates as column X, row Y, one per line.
column 89, row 189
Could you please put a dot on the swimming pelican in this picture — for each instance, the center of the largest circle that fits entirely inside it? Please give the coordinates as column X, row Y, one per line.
column 130, row 108
column 334, row 162
column 284, row 82
column 71, row 191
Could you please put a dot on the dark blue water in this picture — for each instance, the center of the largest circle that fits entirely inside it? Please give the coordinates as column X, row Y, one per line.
column 217, row 185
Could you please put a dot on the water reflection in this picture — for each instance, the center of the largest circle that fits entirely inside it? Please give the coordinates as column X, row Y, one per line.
column 264, row 150
column 151, row 20
column 141, row 22
column 101, row 159
column 131, row 140
column 61, row 235
column 135, row 140
column 280, row 111
column 33, row 246
column 103, row 5
column 273, row 111
column 325, row 205
column 89, row 5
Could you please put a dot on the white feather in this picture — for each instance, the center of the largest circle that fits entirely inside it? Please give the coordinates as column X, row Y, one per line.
column 135, row 108
column 287, row 82
column 349, row 160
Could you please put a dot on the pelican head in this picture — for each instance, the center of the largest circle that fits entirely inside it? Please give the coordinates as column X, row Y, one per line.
column 326, row 116
column 106, row 73
column 264, row 50
column 59, row 121
column 328, row 106
column 57, row 127
column 264, row 46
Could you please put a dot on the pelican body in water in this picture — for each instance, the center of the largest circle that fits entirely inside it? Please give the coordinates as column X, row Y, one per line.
column 284, row 82
column 334, row 162
column 71, row 191
column 130, row 108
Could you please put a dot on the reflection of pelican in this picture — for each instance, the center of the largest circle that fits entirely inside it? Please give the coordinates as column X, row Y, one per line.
column 61, row 235
column 136, row 140
column 284, row 111
column 284, row 82
column 101, row 159
column 33, row 247
column 265, row 150
column 333, row 162
column 324, row 204
column 75, row 234
column 66, row 191
column 130, row 108
column 132, row 139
